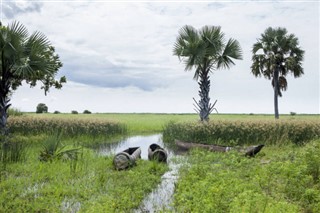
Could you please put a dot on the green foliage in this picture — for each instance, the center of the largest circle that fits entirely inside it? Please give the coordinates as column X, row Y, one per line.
column 14, row 112
column 53, row 149
column 244, row 132
column 86, row 112
column 280, row 179
column 12, row 151
column 74, row 112
column 42, row 108
column 94, row 186
column 56, row 112
column 29, row 58
column 205, row 50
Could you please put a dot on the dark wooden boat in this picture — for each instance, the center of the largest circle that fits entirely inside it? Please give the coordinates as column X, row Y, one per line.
column 248, row 151
column 156, row 152
column 127, row 158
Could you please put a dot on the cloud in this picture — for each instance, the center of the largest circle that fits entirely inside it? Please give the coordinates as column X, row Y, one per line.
column 13, row 9
column 126, row 48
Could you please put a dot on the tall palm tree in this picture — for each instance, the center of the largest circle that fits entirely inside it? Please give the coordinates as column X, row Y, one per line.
column 24, row 58
column 205, row 50
column 276, row 54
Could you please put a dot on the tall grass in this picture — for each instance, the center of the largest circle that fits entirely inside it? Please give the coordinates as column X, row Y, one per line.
column 244, row 132
column 71, row 127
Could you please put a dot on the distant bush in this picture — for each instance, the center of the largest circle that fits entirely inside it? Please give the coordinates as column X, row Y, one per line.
column 86, row 112
column 42, row 108
column 293, row 113
column 74, row 112
column 56, row 112
column 14, row 112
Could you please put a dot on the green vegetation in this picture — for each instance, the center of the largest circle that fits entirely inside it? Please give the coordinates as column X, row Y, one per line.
column 205, row 50
column 25, row 58
column 42, row 108
column 281, row 55
column 237, row 132
column 89, row 183
column 34, row 125
column 51, row 164
column 278, row 179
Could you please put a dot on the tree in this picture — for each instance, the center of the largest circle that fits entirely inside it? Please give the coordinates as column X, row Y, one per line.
column 86, row 112
column 42, row 108
column 205, row 50
column 26, row 58
column 276, row 54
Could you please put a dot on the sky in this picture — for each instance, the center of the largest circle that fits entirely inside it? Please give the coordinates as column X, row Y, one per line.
column 118, row 55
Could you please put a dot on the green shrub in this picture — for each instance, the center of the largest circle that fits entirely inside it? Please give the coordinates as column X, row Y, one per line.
column 86, row 112
column 74, row 112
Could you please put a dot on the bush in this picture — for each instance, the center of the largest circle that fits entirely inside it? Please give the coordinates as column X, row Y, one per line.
column 56, row 112
column 74, row 112
column 86, row 112
column 42, row 108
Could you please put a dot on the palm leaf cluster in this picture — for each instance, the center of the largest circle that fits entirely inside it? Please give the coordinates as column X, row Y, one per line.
column 205, row 50
column 277, row 51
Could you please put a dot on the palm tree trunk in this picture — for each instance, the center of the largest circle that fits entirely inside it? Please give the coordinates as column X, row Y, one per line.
column 204, row 103
column 4, row 101
column 276, row 92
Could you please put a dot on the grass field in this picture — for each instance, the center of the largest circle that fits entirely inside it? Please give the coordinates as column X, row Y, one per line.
column 139, row 123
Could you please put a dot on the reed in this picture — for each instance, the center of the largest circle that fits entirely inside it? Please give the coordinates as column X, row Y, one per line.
column 239, row 132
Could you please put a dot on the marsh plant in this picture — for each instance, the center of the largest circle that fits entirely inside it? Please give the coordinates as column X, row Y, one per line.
column 54, row 149
column 12, row 149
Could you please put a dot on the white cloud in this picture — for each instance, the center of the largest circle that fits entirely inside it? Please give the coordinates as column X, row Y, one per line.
column 121, row 53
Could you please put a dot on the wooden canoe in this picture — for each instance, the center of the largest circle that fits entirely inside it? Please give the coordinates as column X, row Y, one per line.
column 127, row 158
column 248, row 151
column 156, row 152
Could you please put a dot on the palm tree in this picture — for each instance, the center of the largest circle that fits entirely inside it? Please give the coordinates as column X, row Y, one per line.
column 275, row 55
column 205, row 50
column 24, row 58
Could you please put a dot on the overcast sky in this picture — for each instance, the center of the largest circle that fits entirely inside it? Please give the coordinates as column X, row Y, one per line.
column 118, row 57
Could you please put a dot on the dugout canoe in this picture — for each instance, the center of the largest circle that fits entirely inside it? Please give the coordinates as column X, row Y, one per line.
column 249, row 151
column 127, row 158
column 156, row 152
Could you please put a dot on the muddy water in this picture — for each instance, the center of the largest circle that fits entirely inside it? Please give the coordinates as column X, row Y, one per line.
column 161, row 197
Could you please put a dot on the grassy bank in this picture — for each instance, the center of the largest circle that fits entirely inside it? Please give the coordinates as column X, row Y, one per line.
column 278, row 179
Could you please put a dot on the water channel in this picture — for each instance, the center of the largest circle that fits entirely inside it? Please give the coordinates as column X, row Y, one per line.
column 161, row 197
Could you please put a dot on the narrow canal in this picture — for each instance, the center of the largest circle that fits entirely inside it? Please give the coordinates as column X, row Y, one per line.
column 162, row 196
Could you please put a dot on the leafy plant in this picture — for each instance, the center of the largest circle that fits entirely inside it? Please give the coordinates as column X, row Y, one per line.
column 53, row 149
